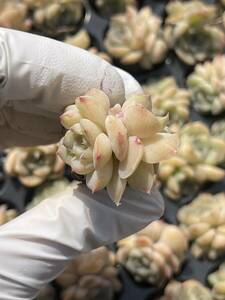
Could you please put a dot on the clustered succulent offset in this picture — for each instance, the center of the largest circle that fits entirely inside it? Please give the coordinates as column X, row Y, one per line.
column 136, row 37
column 192, row 32
column 90, row 276
column 55, row 17
column 115, row 146
column 218, row 129
column 82, row 40
column 34, row 165
column 217, row 281
column 206, row 85
column 188, row 290
column 197, row 162
column 109, row 7
column 48, row 189
column 167, row 97
column 204, row 223
column 14, row 14
column 155, row 254
column 6, row 214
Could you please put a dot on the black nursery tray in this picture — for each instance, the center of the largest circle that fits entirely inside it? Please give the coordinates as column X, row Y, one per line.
column 15, row 195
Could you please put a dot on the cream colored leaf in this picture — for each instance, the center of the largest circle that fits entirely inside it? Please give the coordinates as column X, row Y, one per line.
column 70, row 117
column 143, row 178
column 81, row 168
column 102, row 151
column 99, row 179
column 140, row 122
column 94, row 106
column 143, row 99
column 117, row 185
column 160, row 147
column 117, row 133
column 134, row 155
column 90, row 130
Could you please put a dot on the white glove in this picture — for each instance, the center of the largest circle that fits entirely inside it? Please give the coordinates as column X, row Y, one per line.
column 38, row 78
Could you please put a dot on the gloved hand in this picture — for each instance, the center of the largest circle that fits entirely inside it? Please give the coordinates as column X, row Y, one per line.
column 38, row 78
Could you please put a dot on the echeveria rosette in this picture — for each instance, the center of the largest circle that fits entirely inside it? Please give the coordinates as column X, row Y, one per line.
column 34, row 165
column 167, row 97
column 206, row 85
column 90, row 276
column 217, row 282
column 192, row 31
column 115, row 146
column 188, row 290
column 204, row 223
column 55, row 17
column 155, row 254
column 136, row 37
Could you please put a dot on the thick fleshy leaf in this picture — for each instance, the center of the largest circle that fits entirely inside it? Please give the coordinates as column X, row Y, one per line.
column 102, row 151
column 117, row 185
column 140, row 122
column 94, row 106
column 115, row 110
column 143, row 178
column 70, row 117
column 99, row 179
column 117, row 133
column 134, row 156
column 160, row 147
column 81, row 168
column 143, row 99
column 90, row 131
column 87, row 156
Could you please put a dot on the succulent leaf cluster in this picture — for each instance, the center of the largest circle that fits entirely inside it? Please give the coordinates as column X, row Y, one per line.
column 115, row 146
column 34, row 165
column 155, row 254
column 217, row 282
column 192, row 31
column 204, row 222
column 136, row 37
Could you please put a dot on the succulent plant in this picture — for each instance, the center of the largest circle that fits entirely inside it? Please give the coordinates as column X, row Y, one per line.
column 56, row 17
column 155, row 254
column 197, row 162
column 6, row 214
column 34, row 165
column 109, row 7
column 167, row 97
column 192, row 31
column 47, row 293
column 204, row 223
column 115, row 146
column 206, row 85
column 135, row 37
column 217, row 281
column 91, row 276
column 48, row 189
column 188, row 290
column 82, row 40
column 218, row 129
column 14, row 14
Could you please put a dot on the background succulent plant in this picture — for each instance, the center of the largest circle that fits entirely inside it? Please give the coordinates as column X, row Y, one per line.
column 155, row 254
column 135, row 37
column 197, row 162
column 217, row 281
column 191, row 32
column 91, row 276
column 206, row 85
column 204, row 222
column 218, row 129
column 188, row 290
column 115, row 146
column 34, row 165
column 167, row 97
column 109, row 7
column 55, row 17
